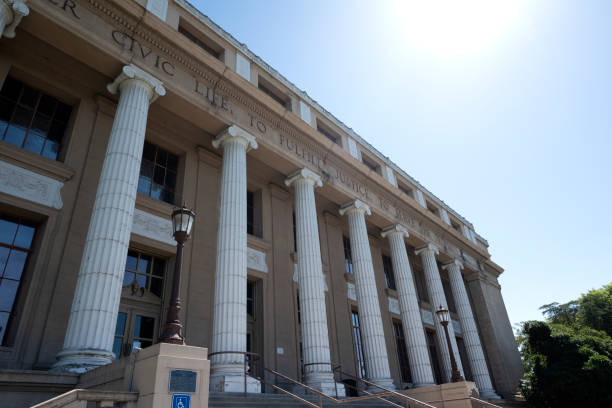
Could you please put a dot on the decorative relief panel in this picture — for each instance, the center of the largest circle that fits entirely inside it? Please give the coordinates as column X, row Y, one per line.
column 427, row 316
column 350, row 291
column 153, row 227
column 394, row 305
column 256, row 260
column 22, row 183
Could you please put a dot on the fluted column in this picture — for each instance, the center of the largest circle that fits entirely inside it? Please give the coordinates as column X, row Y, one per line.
column 373, row 336
column 469, row 330
column 11, row 13
column 420, row 366
column 229, row 315
column 315, row 337
column 91, row 327
column 437, row 298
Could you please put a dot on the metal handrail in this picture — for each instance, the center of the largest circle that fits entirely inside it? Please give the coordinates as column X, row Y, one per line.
column 479, row 401
column 385, row 390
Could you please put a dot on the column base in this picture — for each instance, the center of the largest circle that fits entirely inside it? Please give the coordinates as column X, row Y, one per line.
column 383, row 382
column 326, row 384
column 81, row 361
column 489, row 394
column 234, row 383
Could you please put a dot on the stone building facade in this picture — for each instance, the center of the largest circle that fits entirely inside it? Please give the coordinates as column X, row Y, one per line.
column 310, row 248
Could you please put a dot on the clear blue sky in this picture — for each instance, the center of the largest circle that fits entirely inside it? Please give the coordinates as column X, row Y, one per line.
column 503, row 112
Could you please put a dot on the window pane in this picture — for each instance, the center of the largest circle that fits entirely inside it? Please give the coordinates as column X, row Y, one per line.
column 144, row 327
column 120, row 328
column 132, row 261
column 7, row 231
column 6, row 110
column 162, row 157
column 4, row 254
column 47, row 105
column 168, row 196
column 143, row 264
column 144, row 185
column 149, row 152
column 146, row 169
column 8, row 292
column 172, row 162
column 159, row 175
column 41, row 125
column 117, row 343
column 29, row 97
column 56, row 131
column 4, row 317
column 128, row 278
column 24, row 236
column 142, row 280
column 157, row 191
column 63, row 112
column 170, row 179
column 157, row 286
column 15, row 134
column 34, row 143
column 159, row 267
column 11, row 89
column 16, row 263
column 51, row 150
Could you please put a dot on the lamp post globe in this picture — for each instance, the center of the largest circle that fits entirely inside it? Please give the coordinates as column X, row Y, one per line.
column 182, row 223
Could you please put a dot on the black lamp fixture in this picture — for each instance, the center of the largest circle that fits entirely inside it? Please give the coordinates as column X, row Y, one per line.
column 444, row 318
column 182, row 222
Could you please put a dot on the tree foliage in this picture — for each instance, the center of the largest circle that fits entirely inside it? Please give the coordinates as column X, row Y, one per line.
column 568, row 358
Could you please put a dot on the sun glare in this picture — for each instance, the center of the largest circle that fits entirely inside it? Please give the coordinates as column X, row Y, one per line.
column 448, row 28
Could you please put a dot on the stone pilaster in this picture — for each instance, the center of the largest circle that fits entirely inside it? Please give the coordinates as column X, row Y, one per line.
column 469, row 330
column 437, row 298
column 315, row 337
column 420, row 366
column 229, row 315
column 89, row 337
column 11, row 13
column 373, row 336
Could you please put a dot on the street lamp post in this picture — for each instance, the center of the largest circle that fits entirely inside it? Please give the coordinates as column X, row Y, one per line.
column 182, row 221
column 444, row 318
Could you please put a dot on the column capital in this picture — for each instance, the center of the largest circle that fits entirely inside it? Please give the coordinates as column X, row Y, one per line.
column 235, row 133
column 396, row 229
column 356, row 205
column 304, row 174
column 453, row 263
column 133, row 73
column 19, row 10
column 427, row 248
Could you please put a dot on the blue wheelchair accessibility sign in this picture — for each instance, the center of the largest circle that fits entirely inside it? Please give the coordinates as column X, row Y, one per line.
column 181, row 400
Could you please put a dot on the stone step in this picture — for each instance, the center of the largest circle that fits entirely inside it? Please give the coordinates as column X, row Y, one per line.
column 238, row 399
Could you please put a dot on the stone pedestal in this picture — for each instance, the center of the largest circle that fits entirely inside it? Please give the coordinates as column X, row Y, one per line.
column 435, row 290
column 372, row 332
column 229, row 315
column 450, row 395
column 93, row 316
column 470, row 332
column 416, row 344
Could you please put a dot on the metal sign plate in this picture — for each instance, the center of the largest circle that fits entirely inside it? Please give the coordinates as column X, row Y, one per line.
column 183, row 381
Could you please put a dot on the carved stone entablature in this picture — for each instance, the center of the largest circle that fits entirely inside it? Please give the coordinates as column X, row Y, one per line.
column 394, row 305
column 256, row 260
column 205, row 84
column 22, row 183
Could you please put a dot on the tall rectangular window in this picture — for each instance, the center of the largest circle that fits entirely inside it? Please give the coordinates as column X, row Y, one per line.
column 360, row 361
column 158, row 173
column 402, row 353
column 31, row 119
column 433, row 355
column 16, row 237
column 389, row 275
column 250, row 212
column 348, row 257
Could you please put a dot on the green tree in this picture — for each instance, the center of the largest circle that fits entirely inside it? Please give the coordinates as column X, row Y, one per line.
column 568, row 358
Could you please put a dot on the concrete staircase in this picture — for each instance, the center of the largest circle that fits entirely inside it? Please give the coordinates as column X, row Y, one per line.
column 238, row 399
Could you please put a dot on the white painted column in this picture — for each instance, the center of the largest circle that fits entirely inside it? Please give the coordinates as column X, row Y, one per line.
column 315, row 337
column 416, row 344
column 469, row 330
column 372, row 333
column 437, row 298
column 11, row 13
column 91, row 327
column 229, row 314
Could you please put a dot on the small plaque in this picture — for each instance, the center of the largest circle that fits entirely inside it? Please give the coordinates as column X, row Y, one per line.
column 183, row 381
column 181, row 400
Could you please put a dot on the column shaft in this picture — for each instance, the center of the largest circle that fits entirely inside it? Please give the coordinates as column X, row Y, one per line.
column 470, row 332
column 93, row 316
column 437, row 299
column 315, row 337
column 420, row 366
column 370, row 319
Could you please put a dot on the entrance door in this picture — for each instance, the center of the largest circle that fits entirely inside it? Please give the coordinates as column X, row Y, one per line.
column 254, row 337
column 135, row 330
